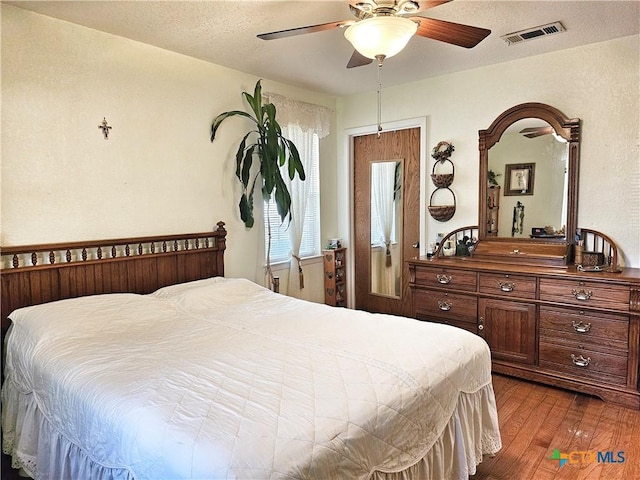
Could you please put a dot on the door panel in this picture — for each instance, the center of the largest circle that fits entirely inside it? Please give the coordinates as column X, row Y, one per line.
column 509, row 329
column 389, row 253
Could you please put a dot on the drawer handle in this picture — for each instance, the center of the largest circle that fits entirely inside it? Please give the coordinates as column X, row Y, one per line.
column 581, row 327
column 580, row 361
column 507, row 286
column 582, row 294
column 444, row 279
column 444, row 306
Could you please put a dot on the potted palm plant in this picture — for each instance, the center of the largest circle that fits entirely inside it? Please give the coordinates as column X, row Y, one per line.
column 266, row 144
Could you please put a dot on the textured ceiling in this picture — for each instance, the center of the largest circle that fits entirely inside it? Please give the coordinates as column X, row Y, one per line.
column 224, row 33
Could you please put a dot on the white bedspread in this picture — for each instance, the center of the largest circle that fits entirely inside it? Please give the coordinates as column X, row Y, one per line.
column 221, row 378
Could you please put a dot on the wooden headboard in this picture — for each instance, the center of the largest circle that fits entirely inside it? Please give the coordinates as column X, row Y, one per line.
column 34, row 274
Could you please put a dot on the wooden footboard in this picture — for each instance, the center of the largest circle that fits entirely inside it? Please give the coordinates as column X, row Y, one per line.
column 34, row 274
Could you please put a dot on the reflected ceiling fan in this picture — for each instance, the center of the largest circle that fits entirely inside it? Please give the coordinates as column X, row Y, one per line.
column 533, row 132
column 384, row 27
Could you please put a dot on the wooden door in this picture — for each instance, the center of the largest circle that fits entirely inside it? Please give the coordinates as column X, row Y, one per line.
column 377, row 290
column 509, row 328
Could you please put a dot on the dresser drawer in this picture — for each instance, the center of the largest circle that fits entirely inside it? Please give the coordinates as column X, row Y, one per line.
column 507, row 285
column 446, row 306
column 574, row 326
column 586, row 294
column 584, row 363
column 446, row 277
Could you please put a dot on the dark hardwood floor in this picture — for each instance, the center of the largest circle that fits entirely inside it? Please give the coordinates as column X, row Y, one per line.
column 534, row 421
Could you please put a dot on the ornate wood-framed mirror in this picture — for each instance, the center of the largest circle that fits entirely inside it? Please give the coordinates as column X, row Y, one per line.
column 526, row 142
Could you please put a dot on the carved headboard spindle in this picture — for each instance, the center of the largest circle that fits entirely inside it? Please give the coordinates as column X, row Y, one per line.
column 28, row 278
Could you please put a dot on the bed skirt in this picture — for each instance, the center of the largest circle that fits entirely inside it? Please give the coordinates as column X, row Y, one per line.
column 43, row 453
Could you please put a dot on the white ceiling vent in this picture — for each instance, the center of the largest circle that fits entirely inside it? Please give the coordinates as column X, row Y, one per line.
column 532, row 33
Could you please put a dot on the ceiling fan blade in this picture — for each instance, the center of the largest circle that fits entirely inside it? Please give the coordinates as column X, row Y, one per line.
column 533, row 132
column 302, row 30
column 449, row 32
column 358, row 60
column 425, row 5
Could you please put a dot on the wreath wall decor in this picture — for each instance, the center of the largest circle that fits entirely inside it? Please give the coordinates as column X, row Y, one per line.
column 441, row 153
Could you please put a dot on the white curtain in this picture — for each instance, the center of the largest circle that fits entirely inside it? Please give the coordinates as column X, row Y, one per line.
column 309, row 117
column 300, row 121
column 382, row 190
column 299, row 195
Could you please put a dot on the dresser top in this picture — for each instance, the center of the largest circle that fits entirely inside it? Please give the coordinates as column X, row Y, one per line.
column 627, row 276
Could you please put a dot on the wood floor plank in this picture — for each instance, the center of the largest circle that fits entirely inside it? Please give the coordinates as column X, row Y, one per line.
column 628, row 443
column 583, row 438
column 514, row 416
column 546, row 469
column 535, row 420
column 562, row 441
column 606, row 439
column 503, row 387
column 511, row 404
column 545, row 436
column 537, row 407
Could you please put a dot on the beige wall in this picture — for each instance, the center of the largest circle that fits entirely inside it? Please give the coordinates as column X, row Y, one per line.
column 158, row 172
column 598, row 83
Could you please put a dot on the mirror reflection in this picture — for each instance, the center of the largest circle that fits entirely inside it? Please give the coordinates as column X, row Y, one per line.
column 386, row 227
column 528, row 182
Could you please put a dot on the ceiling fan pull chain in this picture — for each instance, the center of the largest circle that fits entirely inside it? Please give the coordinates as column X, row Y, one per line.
column 380, row 58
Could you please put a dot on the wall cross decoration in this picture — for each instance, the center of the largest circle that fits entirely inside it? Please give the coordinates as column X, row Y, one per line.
column 105, row 128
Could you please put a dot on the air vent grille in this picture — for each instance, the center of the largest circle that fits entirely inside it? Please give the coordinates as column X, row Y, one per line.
column 531, row 33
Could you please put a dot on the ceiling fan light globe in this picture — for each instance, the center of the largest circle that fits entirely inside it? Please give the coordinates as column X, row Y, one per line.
column 381, row 36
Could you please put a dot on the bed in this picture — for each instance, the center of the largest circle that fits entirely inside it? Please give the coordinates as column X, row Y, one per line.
column 138, row 359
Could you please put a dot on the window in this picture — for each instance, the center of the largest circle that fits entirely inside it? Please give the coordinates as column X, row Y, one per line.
column 308, row 147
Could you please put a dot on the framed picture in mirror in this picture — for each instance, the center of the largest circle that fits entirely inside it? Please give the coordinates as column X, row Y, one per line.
column 518, row 178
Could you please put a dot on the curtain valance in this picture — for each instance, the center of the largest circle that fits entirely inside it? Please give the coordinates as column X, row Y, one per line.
column 307, row 116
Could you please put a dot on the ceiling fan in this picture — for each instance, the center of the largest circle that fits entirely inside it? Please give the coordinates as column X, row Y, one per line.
column 384, row 27
column 533, row 132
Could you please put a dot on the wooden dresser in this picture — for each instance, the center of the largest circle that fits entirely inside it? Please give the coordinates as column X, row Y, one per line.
column 554, row 325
